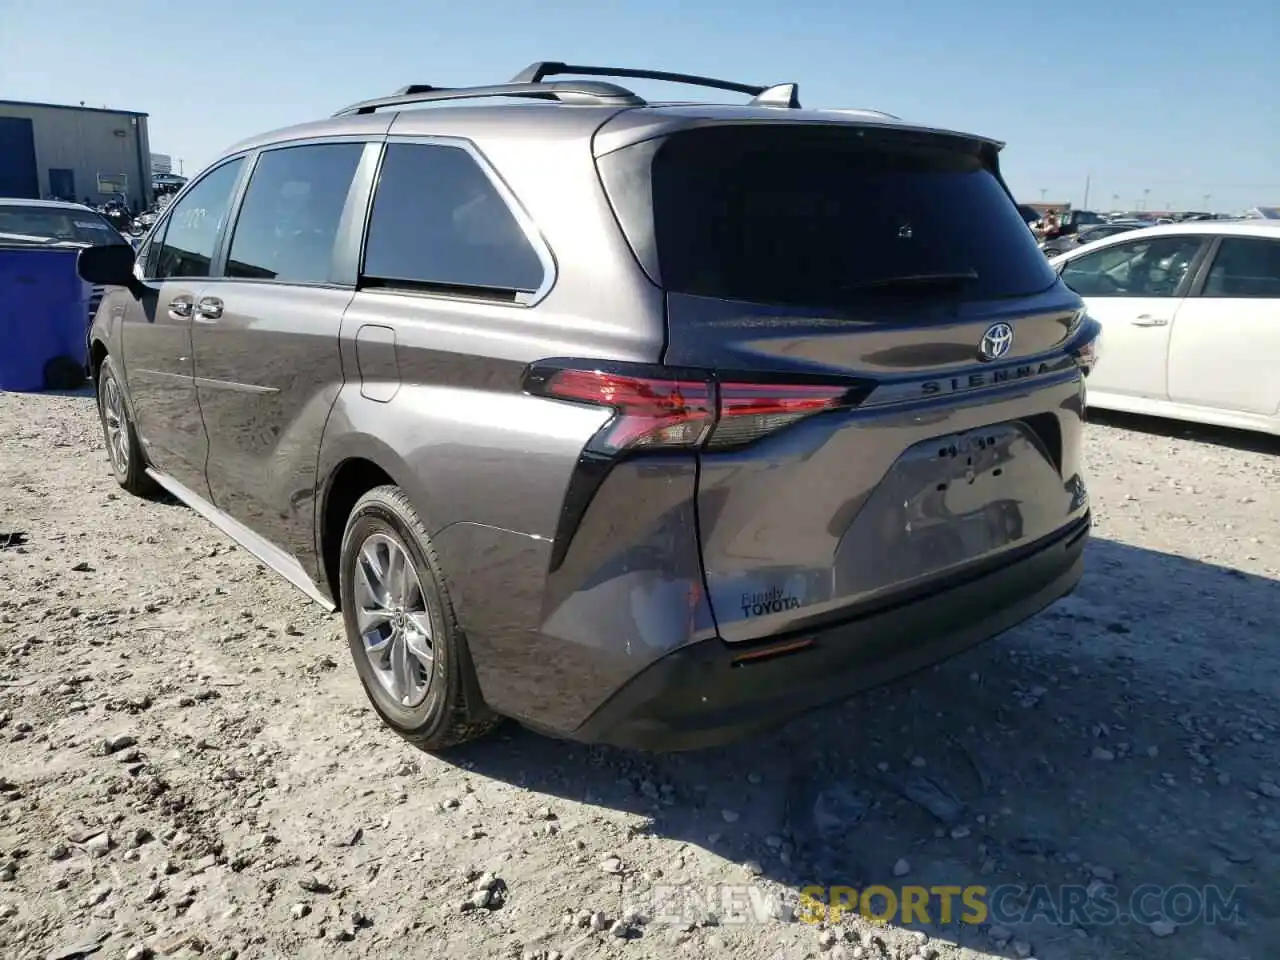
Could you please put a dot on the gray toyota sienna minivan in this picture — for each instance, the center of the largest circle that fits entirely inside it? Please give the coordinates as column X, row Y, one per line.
column 652, row 424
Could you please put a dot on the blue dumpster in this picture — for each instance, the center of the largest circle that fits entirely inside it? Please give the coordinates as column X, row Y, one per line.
column 42, row 314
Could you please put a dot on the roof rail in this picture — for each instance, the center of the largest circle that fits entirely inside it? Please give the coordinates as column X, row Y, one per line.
column 586, row 92
column 777, row 95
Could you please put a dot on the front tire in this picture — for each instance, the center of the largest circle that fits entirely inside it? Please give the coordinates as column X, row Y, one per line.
column 124, row 451
column 408, row 649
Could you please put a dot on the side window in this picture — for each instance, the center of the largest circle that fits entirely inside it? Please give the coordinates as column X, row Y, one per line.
column 439, row 223
column 194, row 225
column 1245, row 267
column 1151, row 267
column 289, row 219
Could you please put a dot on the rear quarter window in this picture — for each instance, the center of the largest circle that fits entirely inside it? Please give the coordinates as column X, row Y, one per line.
column 1247, row 268
column 439, row 224
column 777, row 214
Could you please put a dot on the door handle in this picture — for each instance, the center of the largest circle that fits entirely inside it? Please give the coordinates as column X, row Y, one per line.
column 209, row 308
column 180, row 307
column 1147, row 320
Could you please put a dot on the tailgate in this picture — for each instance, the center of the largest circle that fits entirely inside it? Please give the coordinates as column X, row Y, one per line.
column 849, row 509
column 891, row 265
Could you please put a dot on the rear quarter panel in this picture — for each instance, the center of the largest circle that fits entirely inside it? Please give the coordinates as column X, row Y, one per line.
column 436, row 400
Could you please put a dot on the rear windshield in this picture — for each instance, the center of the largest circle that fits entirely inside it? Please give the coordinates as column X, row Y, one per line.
column 52, row 225
column 820, row 218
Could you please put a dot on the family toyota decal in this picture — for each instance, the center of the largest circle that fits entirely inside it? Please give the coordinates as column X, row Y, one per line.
column 770, row 601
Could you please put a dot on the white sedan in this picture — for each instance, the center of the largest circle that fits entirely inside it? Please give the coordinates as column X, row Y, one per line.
column 1190, row 316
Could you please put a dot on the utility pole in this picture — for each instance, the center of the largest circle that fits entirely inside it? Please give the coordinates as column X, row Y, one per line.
column 1145, row 194
column 1085, row 205
column 1206, row 204
column 179, row 166
column 1043, row 191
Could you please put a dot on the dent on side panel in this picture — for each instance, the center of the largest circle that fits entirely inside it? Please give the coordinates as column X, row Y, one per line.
column 108, row 323
column 279, row 504
column 629, row 590
column 267, row 376
column 296, row 482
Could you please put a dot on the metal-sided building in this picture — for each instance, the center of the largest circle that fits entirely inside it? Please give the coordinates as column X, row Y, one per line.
column 73, row 153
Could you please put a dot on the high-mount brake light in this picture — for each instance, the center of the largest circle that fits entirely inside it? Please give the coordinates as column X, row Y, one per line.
column 685, row 411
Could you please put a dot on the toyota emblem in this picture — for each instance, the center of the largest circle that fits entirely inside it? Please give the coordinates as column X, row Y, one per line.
column 996, row 342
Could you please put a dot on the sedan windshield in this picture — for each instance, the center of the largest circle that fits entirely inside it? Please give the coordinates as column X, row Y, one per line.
column 24, row 224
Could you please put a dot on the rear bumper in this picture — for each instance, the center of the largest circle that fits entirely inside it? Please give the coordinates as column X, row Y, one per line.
column 698, row 697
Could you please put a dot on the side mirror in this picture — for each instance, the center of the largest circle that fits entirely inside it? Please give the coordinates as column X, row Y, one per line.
column 110, row 265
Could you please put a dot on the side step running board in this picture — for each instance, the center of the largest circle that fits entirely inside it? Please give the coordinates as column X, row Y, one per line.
column 267, row 552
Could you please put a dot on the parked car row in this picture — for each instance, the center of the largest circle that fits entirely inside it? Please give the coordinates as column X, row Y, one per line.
column 1054, row 246
column 1064, row 231
column 1190, row 316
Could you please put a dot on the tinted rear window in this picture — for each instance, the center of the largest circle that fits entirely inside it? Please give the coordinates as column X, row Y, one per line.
column 820, row 218
column 53, row 224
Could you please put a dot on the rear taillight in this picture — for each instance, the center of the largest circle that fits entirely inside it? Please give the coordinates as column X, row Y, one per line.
column 1085, row 350
column 651, row 412
column 1087, row 356
column 662, row 409
column 749, row 411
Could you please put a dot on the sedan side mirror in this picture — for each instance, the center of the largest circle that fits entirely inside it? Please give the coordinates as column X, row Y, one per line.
column 110, row 265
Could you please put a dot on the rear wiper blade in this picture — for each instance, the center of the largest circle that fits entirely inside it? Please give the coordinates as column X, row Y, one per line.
column 37, row 241
column 908, row 281
column 24, row 238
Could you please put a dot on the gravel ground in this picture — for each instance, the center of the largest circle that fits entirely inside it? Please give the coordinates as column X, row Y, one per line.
column 188, row 766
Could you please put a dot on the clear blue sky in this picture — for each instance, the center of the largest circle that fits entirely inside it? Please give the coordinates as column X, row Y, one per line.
column 1178, row 98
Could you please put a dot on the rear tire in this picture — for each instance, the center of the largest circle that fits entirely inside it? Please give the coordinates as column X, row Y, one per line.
column 124, row 451
column 408, row 649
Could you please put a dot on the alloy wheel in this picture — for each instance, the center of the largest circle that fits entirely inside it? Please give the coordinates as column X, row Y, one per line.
column 394, row 622
column 114, row 425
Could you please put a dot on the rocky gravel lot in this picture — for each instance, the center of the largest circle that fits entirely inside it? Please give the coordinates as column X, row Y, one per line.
column 188, row 766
